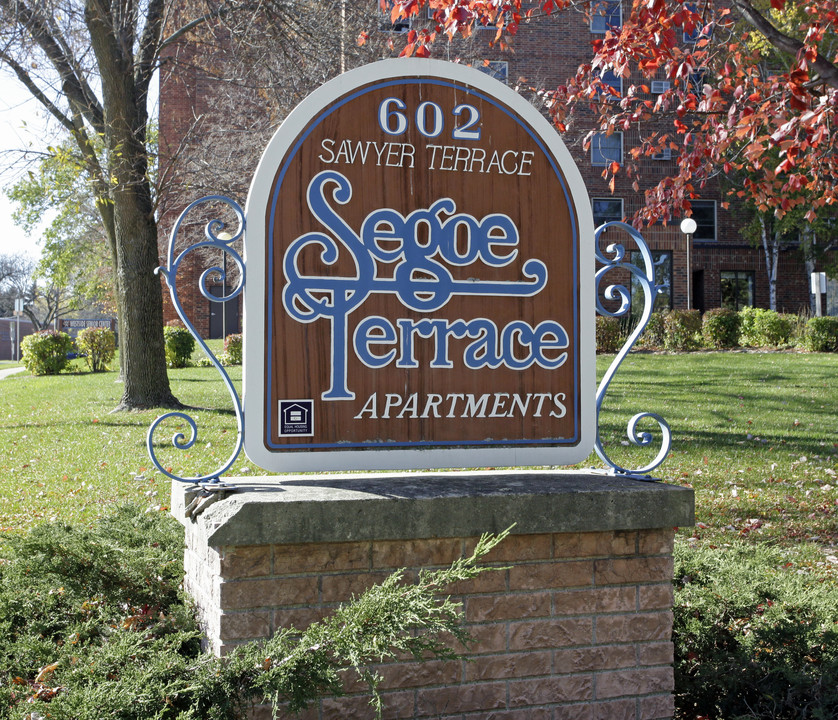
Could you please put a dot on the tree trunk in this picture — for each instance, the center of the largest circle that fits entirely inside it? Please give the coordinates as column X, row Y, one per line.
column 771, row 246
column 146, row 383
column 139, row 295
column 105, row 209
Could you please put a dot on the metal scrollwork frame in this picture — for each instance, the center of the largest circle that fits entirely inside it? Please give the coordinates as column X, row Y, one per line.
column 645, row 276
column 212, row 231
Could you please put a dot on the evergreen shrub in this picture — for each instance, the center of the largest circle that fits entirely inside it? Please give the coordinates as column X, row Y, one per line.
column 179, row 346
column 94, row 624
column 822, row 334
column 753, row 638
column 98, row 346
column 608, row 334
column 720, row 327
column 682, row 330
column 45, row 352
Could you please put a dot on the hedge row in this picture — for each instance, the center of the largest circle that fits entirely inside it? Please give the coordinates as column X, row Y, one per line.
column 722, row 328
column 49, row 352
column 180, row 345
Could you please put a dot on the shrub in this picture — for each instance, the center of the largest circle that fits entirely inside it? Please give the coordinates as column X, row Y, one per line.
column 224, row 360
column 653, row 336
column 822, row 334
column 771, row 328
column 179, row 346
column 761, row 327
column 753, row 638
column 233, row 348
column 682, row 330
column 799, row 328
column 747, row 320
column 608, row 334
column 99, row 345
column 45, row 352
column 720, row 327
column 93, row 624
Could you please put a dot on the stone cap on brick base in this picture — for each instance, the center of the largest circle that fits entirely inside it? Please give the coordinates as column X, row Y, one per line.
column 396, row 506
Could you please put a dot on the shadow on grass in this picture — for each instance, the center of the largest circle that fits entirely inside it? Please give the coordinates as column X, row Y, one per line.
column 697, row 440
column 125, row 419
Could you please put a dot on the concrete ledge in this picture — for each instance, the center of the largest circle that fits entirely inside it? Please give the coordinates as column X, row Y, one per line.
column 378, row 506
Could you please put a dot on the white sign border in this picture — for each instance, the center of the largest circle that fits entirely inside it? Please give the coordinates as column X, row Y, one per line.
column 411, row 458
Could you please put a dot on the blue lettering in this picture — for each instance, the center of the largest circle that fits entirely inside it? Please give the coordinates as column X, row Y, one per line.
column 518, row 346
column 374, row 330
column 418, row 247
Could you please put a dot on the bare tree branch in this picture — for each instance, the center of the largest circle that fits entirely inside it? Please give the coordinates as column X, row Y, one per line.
column 36, row 92
column 76, row 90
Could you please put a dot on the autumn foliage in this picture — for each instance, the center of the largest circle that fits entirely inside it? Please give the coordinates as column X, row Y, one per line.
column 753, row 91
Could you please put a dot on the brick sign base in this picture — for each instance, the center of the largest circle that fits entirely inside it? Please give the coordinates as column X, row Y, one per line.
column 579, row 626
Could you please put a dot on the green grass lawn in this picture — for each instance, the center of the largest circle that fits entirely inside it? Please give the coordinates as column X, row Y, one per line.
column 755, row 434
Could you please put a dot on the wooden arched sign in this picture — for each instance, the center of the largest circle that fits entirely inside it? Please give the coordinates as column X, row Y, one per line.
column 419, row 252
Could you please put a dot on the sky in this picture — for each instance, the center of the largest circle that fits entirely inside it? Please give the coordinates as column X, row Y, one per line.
column 22, row 125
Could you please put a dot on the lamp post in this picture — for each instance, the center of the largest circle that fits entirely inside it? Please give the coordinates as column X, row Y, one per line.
column 226, row 237
column 688, row 227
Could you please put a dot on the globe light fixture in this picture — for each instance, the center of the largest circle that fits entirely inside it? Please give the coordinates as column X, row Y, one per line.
column 688, row 226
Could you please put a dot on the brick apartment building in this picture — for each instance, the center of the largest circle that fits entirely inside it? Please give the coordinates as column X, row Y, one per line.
column 720, row 267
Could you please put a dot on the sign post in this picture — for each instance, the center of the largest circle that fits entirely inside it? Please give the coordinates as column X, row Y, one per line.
column 818, row 281
column 420, row 286
column 18, row 313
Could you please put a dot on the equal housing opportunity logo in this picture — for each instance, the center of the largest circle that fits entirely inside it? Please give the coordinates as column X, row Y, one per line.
column 296, row 418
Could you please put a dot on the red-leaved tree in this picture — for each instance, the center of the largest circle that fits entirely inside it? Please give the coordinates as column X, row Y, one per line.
column 753, row 92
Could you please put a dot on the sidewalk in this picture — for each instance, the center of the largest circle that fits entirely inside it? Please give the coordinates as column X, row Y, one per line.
column 10, row 371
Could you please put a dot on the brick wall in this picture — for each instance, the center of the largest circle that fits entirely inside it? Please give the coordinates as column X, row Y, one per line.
column 545, row 53
column 578, row 627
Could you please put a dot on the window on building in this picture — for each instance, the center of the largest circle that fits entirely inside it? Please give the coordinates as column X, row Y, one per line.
column 607, row 210
column 831, row 296
column 704, row 214
column 498, row 69
column 696, row 82
column 386, row 24
column 606, row 15
column 606, row 149
column 609, row 78
column 662, row 260
column 698, row 31
column 737, row 289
